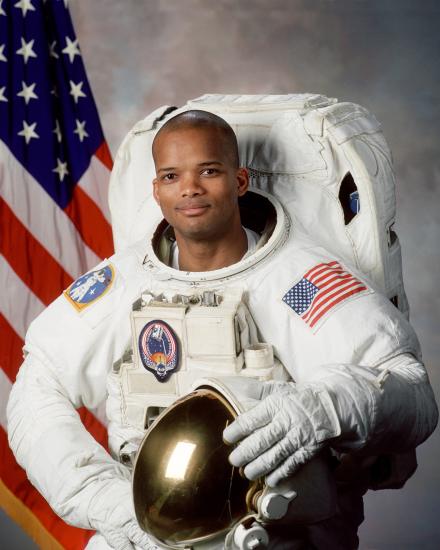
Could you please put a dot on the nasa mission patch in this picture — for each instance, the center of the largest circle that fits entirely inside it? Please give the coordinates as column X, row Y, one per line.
column 159, row 349
column 89, row 287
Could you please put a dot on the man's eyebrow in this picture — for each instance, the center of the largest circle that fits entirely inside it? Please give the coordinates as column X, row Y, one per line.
column 206, row 163
column 170, row 169
column 210, row 162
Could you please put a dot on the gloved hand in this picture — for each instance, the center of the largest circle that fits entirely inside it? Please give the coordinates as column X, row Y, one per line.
column 282, row 432
column 111, row 512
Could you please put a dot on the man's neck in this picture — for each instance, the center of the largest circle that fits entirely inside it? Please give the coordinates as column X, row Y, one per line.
column 208, row 255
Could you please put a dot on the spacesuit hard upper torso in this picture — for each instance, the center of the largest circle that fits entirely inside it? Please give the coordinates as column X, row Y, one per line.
column 359, row 348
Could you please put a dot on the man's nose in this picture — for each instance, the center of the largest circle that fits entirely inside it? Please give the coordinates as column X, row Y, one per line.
column 191, row 186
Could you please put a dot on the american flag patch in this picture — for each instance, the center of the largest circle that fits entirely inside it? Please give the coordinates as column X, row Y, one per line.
column 320, row 290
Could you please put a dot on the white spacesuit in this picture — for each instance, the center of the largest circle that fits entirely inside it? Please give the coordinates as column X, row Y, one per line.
column 353, row 356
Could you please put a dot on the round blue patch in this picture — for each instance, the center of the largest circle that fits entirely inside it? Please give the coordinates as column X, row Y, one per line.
column 159, row 349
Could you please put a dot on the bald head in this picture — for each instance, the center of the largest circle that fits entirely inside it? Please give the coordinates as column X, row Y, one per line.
column 205, row 121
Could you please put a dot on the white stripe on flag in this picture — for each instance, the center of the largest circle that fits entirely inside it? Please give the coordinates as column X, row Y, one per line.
column 43, row 217
column 17, row 302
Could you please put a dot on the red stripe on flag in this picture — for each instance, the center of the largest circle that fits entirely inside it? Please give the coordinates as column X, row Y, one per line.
column 104, row 155
column 90, row 223
column 29, row 259
column 11, row 355
column 333, row 303
column 16, row 481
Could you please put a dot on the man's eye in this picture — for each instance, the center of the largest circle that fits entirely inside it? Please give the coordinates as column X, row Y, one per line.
column 169, row 177
column 210, row 171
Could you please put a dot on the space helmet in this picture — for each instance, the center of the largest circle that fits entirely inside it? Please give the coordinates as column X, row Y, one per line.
column 188, row 496
column 184, row 488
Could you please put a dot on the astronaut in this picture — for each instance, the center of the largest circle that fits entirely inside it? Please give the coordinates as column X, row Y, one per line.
column 360, row 386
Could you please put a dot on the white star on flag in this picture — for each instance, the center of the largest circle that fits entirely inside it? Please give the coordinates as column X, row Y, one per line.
column 28, row 131
column 24, row 6
column 80, row 130
column 26, row 49
column 27, row 92
column 71, row 49
column 2, row 11
column 2, row 94
column 57, row 131
column 52, row 51
column 61, row 169
column 75, row 90
column 2, row 55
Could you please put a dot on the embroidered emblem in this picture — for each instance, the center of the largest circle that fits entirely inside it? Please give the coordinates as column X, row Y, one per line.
column 158, row 349
column 89, row 287
column 320, row 290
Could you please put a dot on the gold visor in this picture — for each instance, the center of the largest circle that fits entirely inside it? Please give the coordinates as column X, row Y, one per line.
column 185, row 490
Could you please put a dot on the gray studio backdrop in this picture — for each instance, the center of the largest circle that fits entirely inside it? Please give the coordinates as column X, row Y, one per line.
column 141, row 54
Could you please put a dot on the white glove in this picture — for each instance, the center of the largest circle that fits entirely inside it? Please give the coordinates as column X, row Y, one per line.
column 111, row 513
column 283, row 431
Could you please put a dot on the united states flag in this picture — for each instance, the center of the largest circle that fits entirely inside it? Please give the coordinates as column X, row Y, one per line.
column 54, row 222
column 320, row 290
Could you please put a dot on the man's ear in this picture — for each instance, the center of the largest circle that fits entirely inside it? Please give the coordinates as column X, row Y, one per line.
column 155, row 193
column 242, row 181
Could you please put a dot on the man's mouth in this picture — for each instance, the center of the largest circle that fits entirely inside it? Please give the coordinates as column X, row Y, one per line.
column 193, row 208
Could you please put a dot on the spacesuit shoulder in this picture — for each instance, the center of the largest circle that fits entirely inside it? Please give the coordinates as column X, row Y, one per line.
column 92, row 292
column 88, row 326
column 316, row 309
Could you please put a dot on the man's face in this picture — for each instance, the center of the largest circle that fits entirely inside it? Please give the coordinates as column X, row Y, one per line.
column 197, row 184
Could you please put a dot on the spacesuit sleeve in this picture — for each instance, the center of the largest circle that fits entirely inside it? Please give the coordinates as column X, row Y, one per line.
column 385, row 409
column 68, row 356
column 365, row 355
column 60, row 457
column 379, row 387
